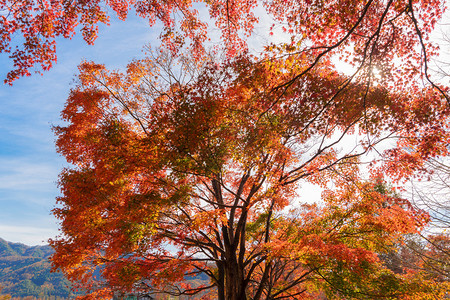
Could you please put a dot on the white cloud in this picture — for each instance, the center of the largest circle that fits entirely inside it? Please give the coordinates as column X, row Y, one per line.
column 29, row 235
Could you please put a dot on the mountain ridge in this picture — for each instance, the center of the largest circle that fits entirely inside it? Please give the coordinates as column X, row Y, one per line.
column 26, row 271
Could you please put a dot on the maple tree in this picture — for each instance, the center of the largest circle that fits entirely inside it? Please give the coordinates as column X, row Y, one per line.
column 183, row 167
column 188, row 164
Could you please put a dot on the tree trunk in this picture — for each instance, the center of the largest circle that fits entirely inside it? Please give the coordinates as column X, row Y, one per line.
column 234, row 281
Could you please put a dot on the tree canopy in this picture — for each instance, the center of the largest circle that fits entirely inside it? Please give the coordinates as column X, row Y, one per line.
column 183, row 168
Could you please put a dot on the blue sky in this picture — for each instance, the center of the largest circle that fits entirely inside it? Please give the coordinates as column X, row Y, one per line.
column 29, row 164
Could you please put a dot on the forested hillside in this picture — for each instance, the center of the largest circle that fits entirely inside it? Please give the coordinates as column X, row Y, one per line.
column 25, row 271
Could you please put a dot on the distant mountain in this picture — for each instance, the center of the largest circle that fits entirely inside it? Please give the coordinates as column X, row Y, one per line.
column 25, row 271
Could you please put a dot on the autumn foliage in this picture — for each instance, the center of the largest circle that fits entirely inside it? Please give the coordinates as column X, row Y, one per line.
column 29, row 28
column 392, row 36
column 182, row 168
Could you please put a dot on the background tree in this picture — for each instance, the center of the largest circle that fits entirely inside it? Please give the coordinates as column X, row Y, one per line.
column 431, row 249
column 181, row 168
column 431, row 192
column 424, row 255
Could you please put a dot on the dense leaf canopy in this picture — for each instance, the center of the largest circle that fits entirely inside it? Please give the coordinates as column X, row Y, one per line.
column 183, row 168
